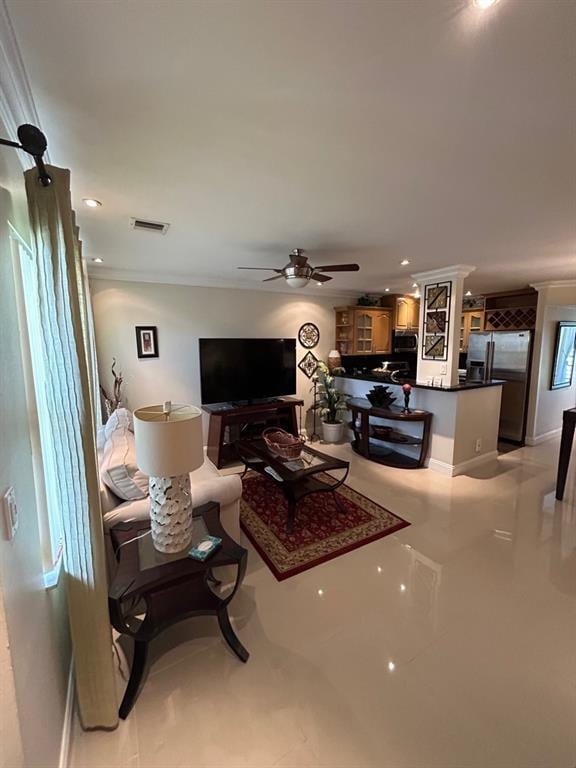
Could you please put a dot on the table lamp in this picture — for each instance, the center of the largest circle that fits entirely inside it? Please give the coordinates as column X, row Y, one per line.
column 169, row 447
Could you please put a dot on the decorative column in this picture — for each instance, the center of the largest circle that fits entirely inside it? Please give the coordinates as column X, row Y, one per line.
column 441, row 294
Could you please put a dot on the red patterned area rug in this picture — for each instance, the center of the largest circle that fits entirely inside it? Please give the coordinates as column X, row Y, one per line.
column 321, row 532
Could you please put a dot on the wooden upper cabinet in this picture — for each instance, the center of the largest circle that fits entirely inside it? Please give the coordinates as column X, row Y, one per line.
column 471, row 321
column 382, row 331
column 363, row 330
column 406, row 312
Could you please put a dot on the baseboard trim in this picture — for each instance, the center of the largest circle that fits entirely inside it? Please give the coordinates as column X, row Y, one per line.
column 544, row 436
column 66, row 738
column 452, row 470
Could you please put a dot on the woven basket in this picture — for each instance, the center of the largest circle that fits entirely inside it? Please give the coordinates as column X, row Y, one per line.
column 282, row 443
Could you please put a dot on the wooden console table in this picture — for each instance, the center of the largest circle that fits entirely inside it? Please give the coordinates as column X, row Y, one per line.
column 568, row 427
column 238, row 418
column 377, row 441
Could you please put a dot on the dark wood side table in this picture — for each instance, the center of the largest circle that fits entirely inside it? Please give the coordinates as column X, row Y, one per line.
column 168, row 589
column 568, row 428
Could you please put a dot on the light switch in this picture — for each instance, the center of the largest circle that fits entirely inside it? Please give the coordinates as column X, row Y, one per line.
column 10, row 513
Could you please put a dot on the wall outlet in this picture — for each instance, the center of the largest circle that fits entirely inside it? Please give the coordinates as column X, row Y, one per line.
column 478, row 445
column 10, row 513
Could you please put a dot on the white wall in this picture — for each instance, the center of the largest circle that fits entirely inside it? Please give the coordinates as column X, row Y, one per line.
column 556, row 302
column 183, row 314
column 35, row 621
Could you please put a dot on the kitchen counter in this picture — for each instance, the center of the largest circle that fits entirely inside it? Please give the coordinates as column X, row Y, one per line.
column 463, row 385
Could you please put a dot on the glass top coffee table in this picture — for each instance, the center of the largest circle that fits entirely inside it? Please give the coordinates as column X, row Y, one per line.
column 296, row 478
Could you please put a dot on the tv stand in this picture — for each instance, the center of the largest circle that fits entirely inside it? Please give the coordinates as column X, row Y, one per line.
column 239, row 420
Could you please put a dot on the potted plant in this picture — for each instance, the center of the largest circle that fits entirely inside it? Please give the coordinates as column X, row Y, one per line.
column 331, row 403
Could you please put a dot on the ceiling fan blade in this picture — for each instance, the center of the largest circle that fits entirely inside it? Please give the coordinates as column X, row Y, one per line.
column 320, row 278
column 339, row 268
column 276, row 277
column 265, row 269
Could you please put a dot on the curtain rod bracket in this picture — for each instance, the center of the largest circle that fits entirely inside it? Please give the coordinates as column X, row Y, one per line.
column 32, row 141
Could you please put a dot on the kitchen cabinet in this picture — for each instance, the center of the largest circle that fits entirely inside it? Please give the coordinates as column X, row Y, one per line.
column 406, row 313
column 470, row 322
column 363, row 330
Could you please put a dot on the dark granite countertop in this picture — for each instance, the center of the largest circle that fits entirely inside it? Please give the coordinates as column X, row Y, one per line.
column 463, row 385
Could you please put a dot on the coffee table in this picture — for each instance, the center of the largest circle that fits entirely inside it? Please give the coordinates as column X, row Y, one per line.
column 296, row 479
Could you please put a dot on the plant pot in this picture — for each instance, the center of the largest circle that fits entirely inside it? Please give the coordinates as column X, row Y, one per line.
column 332, row 433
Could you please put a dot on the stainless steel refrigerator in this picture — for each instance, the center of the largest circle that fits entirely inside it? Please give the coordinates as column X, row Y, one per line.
column 511, row 362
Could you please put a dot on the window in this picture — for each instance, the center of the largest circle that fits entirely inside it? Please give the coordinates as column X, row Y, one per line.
column 44, row 457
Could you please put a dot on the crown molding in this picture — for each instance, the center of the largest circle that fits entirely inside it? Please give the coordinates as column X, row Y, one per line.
column 444, row 273
column 553, row 284
column 16, row 100
column 167, row 278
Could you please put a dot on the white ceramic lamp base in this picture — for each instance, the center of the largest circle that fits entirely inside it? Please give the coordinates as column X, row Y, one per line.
column 170, row 513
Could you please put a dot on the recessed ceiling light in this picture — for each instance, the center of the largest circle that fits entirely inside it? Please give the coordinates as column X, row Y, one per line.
column 320, row 592
column 386, row 290
column 97, row 260
column 414, row 285
column 91, row 202
column 482, row 5
column 320, row 284
column 391, row 666
column 468, row 293
column 404, row 263
column 402, row 587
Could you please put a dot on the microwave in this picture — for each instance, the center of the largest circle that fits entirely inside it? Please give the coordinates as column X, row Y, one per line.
column 405, row 341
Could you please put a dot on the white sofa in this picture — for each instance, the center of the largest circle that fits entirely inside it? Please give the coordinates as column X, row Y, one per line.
column 207, row 484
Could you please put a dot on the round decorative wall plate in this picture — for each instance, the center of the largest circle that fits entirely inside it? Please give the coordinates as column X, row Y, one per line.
column 309, row 335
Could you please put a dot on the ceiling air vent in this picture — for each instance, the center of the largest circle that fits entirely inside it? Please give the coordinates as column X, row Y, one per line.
column 149, row 226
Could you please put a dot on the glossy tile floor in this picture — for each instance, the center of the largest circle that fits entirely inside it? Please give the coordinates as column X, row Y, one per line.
column 451, row 644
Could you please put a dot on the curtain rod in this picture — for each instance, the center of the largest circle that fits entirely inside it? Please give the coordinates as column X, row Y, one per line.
column 33, row 141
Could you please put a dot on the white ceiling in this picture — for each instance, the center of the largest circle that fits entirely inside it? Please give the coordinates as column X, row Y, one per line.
column 365, row 131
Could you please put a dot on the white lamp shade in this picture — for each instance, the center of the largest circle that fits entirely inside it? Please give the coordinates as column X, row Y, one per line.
column 168, row 444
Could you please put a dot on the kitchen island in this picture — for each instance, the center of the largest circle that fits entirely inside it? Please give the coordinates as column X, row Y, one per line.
column 465, row 418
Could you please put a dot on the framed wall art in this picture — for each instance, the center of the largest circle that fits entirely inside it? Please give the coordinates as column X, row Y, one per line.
column 436, row 320
column 146, row 341
column 564, row 355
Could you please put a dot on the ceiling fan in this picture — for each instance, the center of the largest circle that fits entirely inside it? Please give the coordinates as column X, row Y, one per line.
column 298, row 272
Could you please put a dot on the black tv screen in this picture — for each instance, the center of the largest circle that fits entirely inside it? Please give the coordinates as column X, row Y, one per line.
column 246, row 369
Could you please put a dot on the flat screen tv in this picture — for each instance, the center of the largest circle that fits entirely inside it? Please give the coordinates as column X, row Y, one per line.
column 238, row 370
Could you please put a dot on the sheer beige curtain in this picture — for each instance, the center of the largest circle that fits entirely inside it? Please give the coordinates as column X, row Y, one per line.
column 69, row 387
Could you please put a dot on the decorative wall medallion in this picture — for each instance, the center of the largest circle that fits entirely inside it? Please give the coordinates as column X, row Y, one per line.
column 436, row 321
column 146, row 341
column 434, row 347
column 309, row 335
column 308, row 364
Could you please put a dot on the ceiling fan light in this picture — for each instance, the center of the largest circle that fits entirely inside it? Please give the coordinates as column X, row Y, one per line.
column 297, row 282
